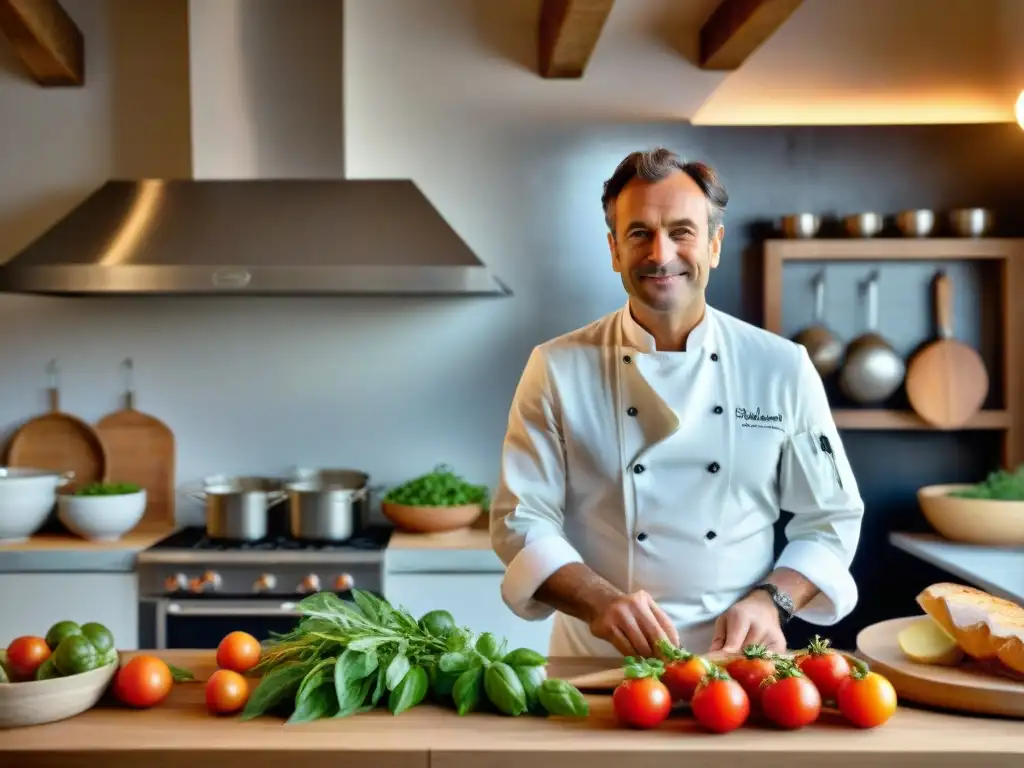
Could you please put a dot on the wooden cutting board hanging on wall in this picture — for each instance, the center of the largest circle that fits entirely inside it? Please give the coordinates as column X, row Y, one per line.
column 141, row 450
column 59, row 442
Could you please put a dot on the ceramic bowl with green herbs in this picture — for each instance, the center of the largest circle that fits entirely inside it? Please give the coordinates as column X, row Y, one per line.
column 989, row 513
column 435, row 502
column 102, row 511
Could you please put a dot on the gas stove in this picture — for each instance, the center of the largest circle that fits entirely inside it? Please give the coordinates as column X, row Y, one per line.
column 190, row 564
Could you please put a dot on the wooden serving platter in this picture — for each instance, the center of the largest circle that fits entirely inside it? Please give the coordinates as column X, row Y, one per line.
column 966, row 687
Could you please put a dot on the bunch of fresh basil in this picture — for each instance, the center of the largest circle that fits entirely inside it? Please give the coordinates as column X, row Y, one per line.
column 349, row 657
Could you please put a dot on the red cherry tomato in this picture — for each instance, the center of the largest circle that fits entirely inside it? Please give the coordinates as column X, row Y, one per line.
column 825, row 668
column 750, row 669
column 25, row 654
column 790, row 700
column 720, row 704
column 641, row 700
column 683, row 672
column 143, row 682
column 866, row 698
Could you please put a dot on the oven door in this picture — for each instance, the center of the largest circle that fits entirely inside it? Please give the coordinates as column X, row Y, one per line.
column 202, row 623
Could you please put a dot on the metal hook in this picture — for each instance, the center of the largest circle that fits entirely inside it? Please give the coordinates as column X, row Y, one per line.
column 128, row 366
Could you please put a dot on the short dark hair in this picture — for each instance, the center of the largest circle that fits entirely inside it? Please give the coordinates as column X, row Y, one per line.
column 655, row 165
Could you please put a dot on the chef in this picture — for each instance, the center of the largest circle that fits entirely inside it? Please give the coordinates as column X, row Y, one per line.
column 649, row 453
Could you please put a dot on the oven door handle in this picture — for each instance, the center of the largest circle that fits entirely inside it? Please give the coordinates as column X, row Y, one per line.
column 256, row 609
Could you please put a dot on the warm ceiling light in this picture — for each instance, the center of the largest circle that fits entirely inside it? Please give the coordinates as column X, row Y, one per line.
column 1020, row 109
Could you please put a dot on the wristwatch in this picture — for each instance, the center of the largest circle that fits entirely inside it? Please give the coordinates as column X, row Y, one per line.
column 783, row 602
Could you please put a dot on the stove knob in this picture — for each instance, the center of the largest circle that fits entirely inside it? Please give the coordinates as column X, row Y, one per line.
column 344, row 582
column 265, row 583
column 309, row 584
column 176, row 583
column 208, row 581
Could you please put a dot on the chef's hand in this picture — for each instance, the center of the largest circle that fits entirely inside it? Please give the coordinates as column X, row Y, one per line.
column 754, row 619
column 633, row 623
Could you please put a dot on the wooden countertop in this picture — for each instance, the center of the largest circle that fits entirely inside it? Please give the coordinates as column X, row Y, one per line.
column 141, row 538
column 466, row 538
column 179, row 732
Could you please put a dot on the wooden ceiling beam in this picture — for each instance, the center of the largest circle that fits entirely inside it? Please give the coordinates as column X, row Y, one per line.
column 738, row 27
column 568, row 33
column 46, row 39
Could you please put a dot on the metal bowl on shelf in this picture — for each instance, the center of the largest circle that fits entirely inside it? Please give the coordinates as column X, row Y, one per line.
column 971, row 222
column 916, row 223
column 800, row 226
column 867, row 224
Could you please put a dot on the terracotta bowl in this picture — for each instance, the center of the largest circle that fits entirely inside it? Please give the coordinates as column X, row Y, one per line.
column 972, row 521
column 47, row 701
column 430, row 519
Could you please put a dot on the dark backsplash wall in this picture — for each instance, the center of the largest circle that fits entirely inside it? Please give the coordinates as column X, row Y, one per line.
column 833, row 171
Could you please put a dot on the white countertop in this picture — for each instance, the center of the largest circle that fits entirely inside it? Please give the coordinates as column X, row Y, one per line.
column 997, row 570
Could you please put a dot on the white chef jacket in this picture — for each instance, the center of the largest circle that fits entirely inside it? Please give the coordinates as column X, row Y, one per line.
column 665, row 471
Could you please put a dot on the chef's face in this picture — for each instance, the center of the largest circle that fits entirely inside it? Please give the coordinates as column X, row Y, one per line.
column 662, row 247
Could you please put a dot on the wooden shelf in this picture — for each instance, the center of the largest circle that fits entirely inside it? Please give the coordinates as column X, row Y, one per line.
column 880, row 419
column 893, row 249
column 1008, row 255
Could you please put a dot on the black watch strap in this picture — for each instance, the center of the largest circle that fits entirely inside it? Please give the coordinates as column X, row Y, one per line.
column 783, row 602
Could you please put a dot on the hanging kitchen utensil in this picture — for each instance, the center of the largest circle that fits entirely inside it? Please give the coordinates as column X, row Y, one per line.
column 872, row 370
column 824, row 349
column 141, row 450
column 59, row 442
column 947, row 382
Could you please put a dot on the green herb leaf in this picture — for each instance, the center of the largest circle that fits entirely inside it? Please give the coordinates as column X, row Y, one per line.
column 180, row 675
column 368, row 604
column 378, row 688
column 454, row 662
column 560, row 697
column 397, row 670
column 504, row 689
column 276, row 686
column 524, row 657
column 409, row 692
column 490, row 646
column 531, row 678
column 466, row 692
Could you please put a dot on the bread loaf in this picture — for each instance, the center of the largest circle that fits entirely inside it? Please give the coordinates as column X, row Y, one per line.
column 987, row 628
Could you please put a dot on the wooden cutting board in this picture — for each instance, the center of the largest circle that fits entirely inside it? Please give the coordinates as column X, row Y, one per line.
column 141, row 450
column 965, row 687
column 60, row 442
column 605, row 680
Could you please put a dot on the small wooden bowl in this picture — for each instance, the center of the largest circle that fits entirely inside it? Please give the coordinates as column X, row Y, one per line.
column 430, row 519
column 972, row 521
column 46, row 701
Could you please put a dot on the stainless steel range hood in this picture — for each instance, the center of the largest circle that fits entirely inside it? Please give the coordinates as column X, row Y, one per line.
column 259, row 237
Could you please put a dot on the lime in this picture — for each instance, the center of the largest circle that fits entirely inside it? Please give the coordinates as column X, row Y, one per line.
column 3, row 670
column 108, row 658
column 101, row 638
column 75, row 655
column 47, row 670
column 59, row 631
column 437, row 623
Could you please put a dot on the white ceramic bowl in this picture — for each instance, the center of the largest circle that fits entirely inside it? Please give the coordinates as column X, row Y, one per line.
column 27, row 497
column 47, row 701
column 101, row 518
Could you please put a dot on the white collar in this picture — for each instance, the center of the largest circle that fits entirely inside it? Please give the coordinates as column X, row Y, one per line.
column 639, row 338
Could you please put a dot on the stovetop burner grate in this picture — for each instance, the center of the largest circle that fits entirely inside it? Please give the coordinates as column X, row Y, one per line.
column 195, row 538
